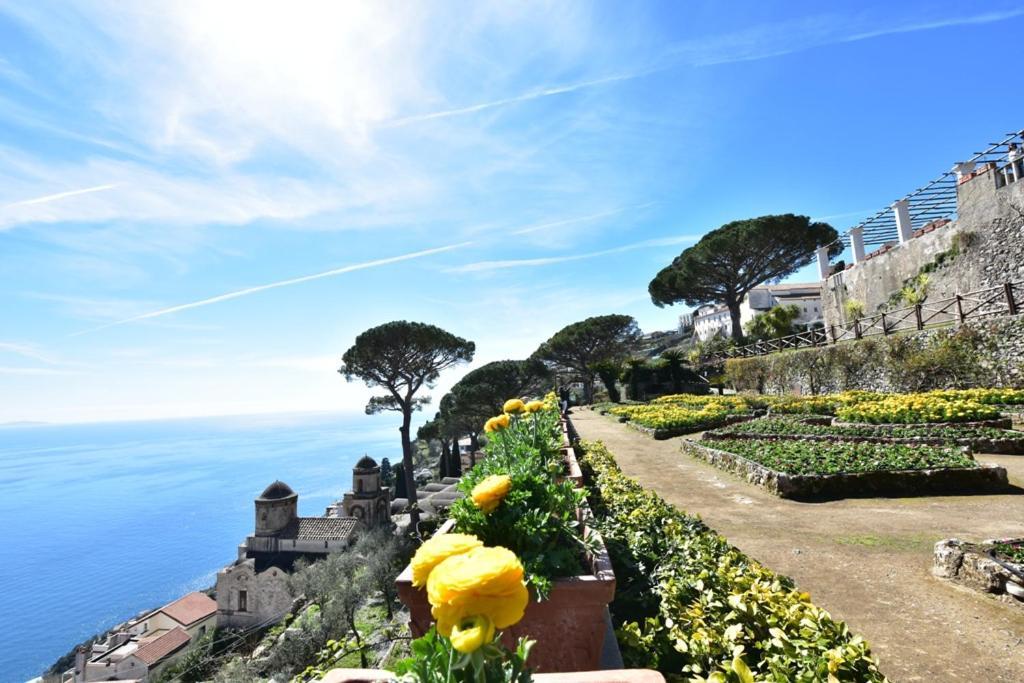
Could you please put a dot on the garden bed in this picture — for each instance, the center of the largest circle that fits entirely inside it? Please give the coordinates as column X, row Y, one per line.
column 663, row 433
column 978, row 439
column 959, row 478
column 995, row 423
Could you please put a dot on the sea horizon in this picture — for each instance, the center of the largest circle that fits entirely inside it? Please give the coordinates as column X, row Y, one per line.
column 110, row 519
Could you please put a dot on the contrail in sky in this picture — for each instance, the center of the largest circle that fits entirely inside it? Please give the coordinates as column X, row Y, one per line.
column 579, row 219
column 62, row 195
column 480, row 266
column 525, row 97
column 273, row 285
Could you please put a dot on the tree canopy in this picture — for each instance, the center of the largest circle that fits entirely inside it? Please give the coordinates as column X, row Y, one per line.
column 773, row 323
column 730, row 261
column 485, row 390
column 402, row 357
column 581, row 347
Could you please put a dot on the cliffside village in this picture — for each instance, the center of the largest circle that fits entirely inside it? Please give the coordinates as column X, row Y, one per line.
column 252, row 591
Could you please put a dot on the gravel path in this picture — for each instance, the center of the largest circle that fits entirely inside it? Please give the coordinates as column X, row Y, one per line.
column 868, row 561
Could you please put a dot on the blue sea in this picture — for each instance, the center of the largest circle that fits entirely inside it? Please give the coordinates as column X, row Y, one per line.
column 102, row 521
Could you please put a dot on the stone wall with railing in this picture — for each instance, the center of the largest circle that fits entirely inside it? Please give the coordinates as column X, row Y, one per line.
column 983, row 248
column 988, row 353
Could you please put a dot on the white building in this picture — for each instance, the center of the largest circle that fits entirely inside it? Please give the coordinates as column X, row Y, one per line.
column 805, row 296
column 711, row 321
column 139, row 649
column 714, row 320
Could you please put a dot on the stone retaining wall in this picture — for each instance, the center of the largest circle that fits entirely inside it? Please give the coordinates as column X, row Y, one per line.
column 810, row 487
column 969, row 564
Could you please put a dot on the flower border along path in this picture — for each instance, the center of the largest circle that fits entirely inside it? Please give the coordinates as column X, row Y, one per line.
column 690, row 604
column 830, row 486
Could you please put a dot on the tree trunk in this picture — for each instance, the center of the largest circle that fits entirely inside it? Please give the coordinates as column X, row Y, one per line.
column 456, row 465
column 410, row 480
column 444, row 462
column 734, row 314
column 588, row 390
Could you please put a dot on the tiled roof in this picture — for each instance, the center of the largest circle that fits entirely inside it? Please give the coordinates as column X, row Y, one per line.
column 318, row 528
column 167, row 644
column 191, row 608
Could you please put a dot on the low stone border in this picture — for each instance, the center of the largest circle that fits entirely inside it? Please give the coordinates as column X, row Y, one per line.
column 808, row 487
column 662, row 434
column 969, row 564
column 1007, row 446
column 999, row 423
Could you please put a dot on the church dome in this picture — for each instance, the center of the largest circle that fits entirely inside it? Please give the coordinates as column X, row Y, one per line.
column 277, row 491
column 366, row 463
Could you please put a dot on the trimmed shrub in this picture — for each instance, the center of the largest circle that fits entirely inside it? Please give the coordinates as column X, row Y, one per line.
column 692, row 606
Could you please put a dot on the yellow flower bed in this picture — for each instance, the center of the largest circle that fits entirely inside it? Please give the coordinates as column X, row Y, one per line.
column 987, row 396
column 669, row 416
column 912, row 408
column 736, row 404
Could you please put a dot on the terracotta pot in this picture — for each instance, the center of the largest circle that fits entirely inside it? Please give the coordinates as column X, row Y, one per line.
column 616, row 676
column 569, row 626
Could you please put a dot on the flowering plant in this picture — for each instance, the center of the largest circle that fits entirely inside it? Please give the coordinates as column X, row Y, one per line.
column 517, row 496
column 473, row 592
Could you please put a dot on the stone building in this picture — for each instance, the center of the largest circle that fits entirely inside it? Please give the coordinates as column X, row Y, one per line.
column 368, row 502
column 140, row 649
column 246, row 597
column 254, row 589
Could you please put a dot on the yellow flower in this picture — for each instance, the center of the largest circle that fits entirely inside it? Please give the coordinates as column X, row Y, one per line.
column 491, row 491
column 496, row 424
column 534, row 406
column 514, row 406
column 484, row 582
column 437, row 549
column 471, row 633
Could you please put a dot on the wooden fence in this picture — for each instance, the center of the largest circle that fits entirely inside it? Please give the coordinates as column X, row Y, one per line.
column 993, row 302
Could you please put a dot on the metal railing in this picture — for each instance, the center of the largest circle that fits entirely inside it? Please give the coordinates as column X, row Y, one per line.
column 992, row 302
column 937, row 199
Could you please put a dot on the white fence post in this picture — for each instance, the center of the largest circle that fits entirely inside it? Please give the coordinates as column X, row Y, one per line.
column 903, row 224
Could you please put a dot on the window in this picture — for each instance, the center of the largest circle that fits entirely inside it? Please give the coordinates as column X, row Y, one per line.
column 243, row 600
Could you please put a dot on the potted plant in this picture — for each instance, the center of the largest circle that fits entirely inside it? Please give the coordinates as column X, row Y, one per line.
column 519, row 498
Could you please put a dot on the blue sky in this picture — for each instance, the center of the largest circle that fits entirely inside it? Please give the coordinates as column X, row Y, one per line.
column 202, row 203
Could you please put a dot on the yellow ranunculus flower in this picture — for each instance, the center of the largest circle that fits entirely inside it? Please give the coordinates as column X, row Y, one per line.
column 438, row 549
column 472, row 633
column 534, row 406
column 491, row 491
column 514, row 406
column 496, row 424
column 483, row 582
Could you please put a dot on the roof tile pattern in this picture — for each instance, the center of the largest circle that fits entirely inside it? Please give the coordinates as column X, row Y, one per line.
column 190, row 608
column 318, row 528
column 165, row 645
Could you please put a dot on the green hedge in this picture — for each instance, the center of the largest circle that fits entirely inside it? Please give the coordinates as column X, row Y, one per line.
column 697, row 609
